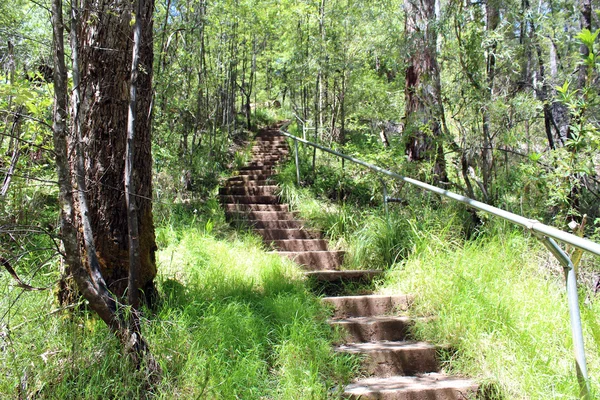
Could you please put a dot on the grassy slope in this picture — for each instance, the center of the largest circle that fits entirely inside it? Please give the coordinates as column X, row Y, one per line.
column 497, row 304
column 499, row 300
column 238, row 323
column 235, row 322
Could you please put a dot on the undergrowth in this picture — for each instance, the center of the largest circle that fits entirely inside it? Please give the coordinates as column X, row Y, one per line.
column 234, row 322
column 499, row 303
column 492, row 296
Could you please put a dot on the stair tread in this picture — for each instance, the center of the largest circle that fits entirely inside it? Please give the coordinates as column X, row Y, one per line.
column 308, row 251
column 368, row 305
column 237, row 207
column 384, row 345
column 315, row 259
column 368, row 296
column 298, row 244
column 249, row 199
column 282, row 233
column 407, row 384
column 373, row 319
column 343, row 274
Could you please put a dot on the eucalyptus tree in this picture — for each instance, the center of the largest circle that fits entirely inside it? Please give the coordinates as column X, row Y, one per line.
column 423, row 108
column 101, row 54
column 84, row 205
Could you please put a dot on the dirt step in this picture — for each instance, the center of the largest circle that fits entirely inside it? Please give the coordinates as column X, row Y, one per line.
column 282, row 234
column 264, row 173
column 250, row 178
column 373, row 329
column 267, row 137
column 277, row 224
column 262, row 163
column 266, row 157
column 262, row 215
column 243, row 190
column 299, row 244
column 368, row 305
column 269, row 154
column 395, row 358
column 270, row 147
column 256, row 207
column 433, row 386
column 316, row 260
column 258, row 170
column 271, row 143
column 248, row 183
column 246, row 199
column 281, row 150
column 344, row 276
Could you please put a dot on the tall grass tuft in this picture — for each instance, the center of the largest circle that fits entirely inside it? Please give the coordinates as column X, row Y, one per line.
column 503, row 316
column 234, row 322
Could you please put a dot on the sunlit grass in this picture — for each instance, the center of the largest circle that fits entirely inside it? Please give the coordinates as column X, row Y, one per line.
column 495, row 298
column 234, row 322
column 502, row 313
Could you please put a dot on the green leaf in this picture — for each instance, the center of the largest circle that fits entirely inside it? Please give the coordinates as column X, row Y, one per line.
column 587, row 37
column 563, row 89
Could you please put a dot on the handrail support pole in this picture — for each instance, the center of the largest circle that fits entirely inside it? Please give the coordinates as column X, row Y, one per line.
column 385, row 199
column 574, row 313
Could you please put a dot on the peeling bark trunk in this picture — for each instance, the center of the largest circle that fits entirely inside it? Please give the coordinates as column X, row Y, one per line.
column 558, row 116
column 105, row 50
column 423, row 89
column 86, row 275
column 130, row 188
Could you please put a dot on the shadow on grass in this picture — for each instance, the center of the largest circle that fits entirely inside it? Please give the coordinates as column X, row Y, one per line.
column 243, row 325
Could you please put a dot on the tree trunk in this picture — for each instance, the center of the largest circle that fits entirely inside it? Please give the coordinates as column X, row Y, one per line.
column 133, row 286
column 585, row 9
column 487, row 159
column 422, row 91
column 15, row 135
column 105, row 54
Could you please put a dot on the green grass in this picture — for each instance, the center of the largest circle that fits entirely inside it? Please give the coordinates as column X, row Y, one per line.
column 234, row 322
column 497, row 304
column 495, row 298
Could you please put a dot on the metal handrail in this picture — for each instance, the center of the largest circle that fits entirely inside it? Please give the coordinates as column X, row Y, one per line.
column 547, row 234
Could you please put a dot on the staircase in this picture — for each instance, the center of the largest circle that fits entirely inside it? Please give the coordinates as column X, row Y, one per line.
column 395, row 368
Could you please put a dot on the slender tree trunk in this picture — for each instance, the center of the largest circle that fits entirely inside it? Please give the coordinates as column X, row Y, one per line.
column 546, row 89
column 487, row 159
column 559, row 114
column 129, row 182
column 11, row 80
column 15, row 135
column 321, row 74
column 585, row 9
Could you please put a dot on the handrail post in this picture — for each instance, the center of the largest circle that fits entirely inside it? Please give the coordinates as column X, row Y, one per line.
column 297, row 163
column 574, row 313
column 385, row 199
